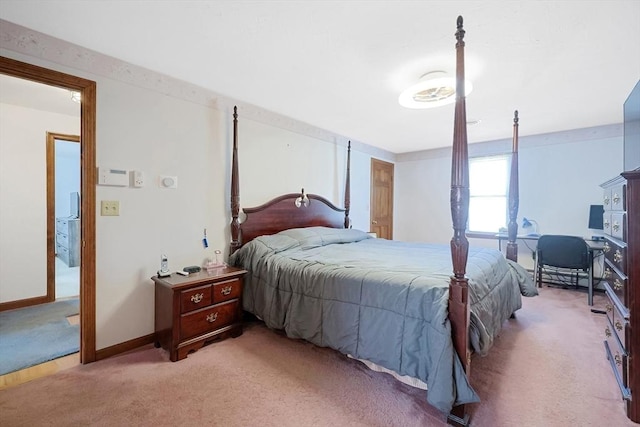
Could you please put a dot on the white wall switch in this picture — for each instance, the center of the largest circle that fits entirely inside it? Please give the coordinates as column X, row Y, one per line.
column 137, row 177
column 168, row 181
column 115, row 177
column 109, row 208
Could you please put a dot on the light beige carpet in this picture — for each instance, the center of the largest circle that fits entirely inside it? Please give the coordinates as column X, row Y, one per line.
column 546, row 369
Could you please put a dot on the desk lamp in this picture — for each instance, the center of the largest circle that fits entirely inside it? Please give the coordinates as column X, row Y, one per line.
column 526, row 223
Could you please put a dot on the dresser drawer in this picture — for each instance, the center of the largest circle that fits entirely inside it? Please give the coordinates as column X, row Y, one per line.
column 61, row 226
column 227, row 290
column 63, row 253
column 62, row 239
column 618, row 225
column 618, row 199
column 195, row 298
column 617, row 281
column 616, row 254
column 208, row 319
column 616, row 327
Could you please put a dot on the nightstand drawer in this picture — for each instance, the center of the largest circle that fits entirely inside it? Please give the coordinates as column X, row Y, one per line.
column 208, row 319
column 225, row 291
column 195, row 298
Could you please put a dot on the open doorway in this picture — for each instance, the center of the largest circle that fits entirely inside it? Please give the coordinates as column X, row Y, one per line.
column 87, row 90
column 63, row 214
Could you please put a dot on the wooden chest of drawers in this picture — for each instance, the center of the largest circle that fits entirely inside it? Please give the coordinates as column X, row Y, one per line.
column 621, row 221
column 196, row 309
column 68, row 240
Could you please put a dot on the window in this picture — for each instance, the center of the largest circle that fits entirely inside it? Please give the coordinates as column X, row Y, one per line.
column 488, row 191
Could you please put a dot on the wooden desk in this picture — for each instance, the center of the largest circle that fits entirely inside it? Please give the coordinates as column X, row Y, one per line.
column 595, row 247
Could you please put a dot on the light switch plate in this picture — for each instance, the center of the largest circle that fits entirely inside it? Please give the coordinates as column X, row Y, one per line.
column 137, row 178
column 109, row 208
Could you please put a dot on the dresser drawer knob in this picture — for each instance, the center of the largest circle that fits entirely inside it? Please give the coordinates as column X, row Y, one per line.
column 609, row 308
column 617, row 285
column 616, row 226
column 196, row 298
column 212, row 317
column 616, row 199
column 606, row 200
column 606, row 224
column 617, row 257
column 607, row 332
column 226, row 290
column 618, row 325
column 607, row 273
column 606, row 247
column 618, row 359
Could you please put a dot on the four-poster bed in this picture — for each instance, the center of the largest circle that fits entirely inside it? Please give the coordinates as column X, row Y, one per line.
column 392, row 304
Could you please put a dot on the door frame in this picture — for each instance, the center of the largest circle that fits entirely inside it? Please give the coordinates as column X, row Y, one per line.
column 52, row 137
column 87, row 89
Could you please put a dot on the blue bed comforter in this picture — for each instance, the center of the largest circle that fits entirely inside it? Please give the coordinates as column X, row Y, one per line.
column 380, row 300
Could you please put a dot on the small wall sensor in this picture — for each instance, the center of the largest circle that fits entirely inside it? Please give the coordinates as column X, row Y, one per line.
column 168, row 181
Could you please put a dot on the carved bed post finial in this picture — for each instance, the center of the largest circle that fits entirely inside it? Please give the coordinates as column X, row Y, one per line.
column 347, row 189
column 459, row 314
column 235, row 188
column 512, row 245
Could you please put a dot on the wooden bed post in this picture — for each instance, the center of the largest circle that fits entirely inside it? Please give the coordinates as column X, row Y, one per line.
column 347, row 189
column 235, row 188
column 512, row 245
column 458, row 288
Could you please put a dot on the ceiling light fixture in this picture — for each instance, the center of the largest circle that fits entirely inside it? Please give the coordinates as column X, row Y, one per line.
column 433, row 90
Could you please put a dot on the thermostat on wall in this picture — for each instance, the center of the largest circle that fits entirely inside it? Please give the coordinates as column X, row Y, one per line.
column 115, row 177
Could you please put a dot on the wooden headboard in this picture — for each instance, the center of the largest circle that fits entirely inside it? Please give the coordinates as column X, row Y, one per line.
column 283, row 212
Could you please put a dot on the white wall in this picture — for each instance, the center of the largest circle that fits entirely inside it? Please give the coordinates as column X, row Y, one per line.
column 559, row 173
column 23, row 219
column 161, row 126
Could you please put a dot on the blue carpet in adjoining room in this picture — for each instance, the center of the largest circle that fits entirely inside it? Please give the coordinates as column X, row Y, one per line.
column 37, row 334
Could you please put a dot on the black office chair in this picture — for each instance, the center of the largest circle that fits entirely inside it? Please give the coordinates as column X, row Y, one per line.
column 562, row 254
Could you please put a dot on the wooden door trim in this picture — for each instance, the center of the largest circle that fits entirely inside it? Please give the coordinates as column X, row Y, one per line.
column 87, row 89
column 51, row 208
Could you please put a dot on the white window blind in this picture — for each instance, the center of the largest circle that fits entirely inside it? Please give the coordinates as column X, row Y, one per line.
column 488, row 191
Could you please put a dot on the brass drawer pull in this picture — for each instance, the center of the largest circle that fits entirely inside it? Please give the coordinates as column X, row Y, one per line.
column 606, row 224
column 609, row 308
column 211, row 317
column 607, row 247
column 196, row 298
column 226, row 290
column 617, row 257
column 606, row 200
column 616, row 199
column 607, row 273
column 618, row 325
column 607, row 332
column 616, row 226
column 618, row 359
column 617, row 285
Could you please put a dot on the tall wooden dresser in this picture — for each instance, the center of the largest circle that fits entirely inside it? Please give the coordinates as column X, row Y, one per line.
column 622, row 285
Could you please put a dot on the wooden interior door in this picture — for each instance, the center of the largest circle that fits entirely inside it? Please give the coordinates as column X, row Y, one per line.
column 382, row 199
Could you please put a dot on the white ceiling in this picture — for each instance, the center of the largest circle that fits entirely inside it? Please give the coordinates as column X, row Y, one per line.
column 340, row 65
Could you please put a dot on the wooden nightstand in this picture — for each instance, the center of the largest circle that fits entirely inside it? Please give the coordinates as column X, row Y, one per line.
column 196, row 309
